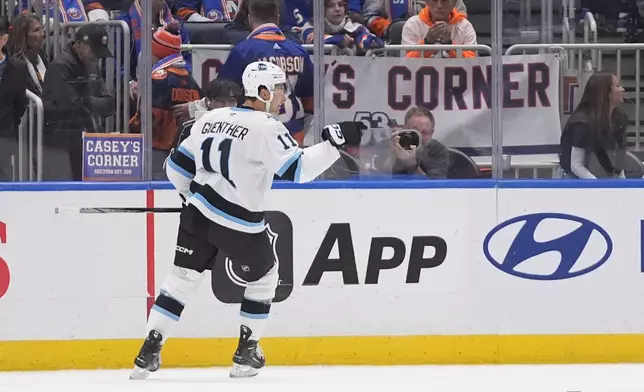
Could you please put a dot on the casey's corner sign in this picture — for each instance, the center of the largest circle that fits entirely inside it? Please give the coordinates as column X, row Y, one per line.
column 459, row 92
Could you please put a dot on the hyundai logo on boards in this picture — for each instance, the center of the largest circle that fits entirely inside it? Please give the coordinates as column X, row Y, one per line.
column 547, row 246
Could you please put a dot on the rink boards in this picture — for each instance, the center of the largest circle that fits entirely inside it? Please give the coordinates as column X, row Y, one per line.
column 416, row 273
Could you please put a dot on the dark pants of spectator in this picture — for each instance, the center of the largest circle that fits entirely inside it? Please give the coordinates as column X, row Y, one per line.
column 158, row 158
column 8, row 159
column 63, row 161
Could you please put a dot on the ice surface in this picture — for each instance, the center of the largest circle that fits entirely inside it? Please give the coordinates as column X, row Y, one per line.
column 524, row 378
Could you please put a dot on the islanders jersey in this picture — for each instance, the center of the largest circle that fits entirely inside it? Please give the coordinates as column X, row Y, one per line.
column 216, row 10
column 172, row 85
column 268, row 43
column 227, row 165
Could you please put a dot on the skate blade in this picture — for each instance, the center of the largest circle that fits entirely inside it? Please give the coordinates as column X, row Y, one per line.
column 139, row 374
column 243, row 371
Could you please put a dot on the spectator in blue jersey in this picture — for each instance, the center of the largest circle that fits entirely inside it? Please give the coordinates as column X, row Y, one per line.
column 13, row 102
column 267, row 43
column 341, row 31
column 207, row 10
column 161, row 16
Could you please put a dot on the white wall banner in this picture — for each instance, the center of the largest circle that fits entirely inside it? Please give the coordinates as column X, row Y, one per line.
column 379, row 92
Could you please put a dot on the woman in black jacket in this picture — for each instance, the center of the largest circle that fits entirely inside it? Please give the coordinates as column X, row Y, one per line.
column 591, row 133
column 26, row 42
column 13, row 103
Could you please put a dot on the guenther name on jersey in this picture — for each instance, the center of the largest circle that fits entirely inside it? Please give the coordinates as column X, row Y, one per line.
column 236, row 131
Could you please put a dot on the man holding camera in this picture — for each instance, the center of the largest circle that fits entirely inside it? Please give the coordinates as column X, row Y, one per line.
column 414, row 151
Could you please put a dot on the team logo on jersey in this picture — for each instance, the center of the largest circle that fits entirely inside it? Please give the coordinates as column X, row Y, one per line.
column 228, row 282
column 74, row 13
column 159, row 75
column 215, row 15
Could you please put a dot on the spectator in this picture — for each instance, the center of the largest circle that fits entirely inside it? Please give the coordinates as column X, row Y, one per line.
column 341, row 31
column 26, row 41
column 172, row 84
column 13, row 102
column 73, row 10
column 219, row 93
column 238, row 30
column 593, row 130
column 267, row 42
column 74, row 95
column 98, row 10
column 439, row 23
column 207, row 10
column 429, row 157
column 161, row 16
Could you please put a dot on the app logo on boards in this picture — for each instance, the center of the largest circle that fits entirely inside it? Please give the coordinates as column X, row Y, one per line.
column 527, row 246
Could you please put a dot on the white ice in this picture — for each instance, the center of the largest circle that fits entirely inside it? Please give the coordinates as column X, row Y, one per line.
column 542, row 378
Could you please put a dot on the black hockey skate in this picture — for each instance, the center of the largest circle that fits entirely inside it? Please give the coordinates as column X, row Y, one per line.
column 248, row 358
column 149, row 358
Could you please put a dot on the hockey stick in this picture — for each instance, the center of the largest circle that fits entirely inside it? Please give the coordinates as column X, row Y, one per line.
column 117, row 210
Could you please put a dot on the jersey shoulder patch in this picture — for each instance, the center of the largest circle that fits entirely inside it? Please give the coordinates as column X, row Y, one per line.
column 160, row 74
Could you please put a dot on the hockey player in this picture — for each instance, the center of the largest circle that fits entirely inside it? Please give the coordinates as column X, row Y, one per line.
column 268, row 43
column 223, row 170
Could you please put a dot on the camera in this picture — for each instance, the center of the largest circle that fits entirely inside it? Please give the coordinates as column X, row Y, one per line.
column 409, row 139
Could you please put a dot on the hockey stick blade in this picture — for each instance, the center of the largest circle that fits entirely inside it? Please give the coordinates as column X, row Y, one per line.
column 117, row 210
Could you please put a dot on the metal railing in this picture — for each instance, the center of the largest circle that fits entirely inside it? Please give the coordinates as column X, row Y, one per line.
column 32, row 122
column 434, row 48
column 190, row 47
column 116, row 72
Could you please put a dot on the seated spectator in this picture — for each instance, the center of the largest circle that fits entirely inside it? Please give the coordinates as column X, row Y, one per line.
column 379, row 14
column 13, row 102
column 207, row 10
column 268, row 43
column 294, row 14
column 172, row 85
column 74, row 96
column 439, row 23
column 219, row 93
column 429, row 157
column 26, row 41
column 594, row 130
column 73, row 10
column 161, row 16
column 238, row 30
column 341, row 31
column 98, row 10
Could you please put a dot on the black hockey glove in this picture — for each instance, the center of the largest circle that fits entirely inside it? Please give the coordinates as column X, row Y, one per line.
column 347, row 133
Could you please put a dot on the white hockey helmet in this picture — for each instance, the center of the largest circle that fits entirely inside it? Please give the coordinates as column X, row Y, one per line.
column 262, row 74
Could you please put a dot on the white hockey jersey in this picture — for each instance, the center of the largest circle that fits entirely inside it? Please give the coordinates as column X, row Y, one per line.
column 227, row 165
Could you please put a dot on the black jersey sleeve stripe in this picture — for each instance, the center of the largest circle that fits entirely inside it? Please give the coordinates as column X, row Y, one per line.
column 184, row 162
column 292, row 173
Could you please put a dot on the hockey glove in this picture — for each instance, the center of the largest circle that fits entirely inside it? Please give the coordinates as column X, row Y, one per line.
column 347, row 133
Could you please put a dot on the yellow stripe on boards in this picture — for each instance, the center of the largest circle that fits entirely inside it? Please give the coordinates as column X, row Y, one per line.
column 356, row 350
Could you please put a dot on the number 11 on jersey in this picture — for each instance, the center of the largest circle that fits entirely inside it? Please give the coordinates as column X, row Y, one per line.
column 224, row 156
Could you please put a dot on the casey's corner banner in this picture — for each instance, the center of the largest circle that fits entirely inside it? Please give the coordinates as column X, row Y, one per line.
column 378, row 91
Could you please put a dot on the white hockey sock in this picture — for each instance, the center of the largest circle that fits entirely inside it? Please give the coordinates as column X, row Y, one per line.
column 165, row 315
column 177, row 289
column 254, row 315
